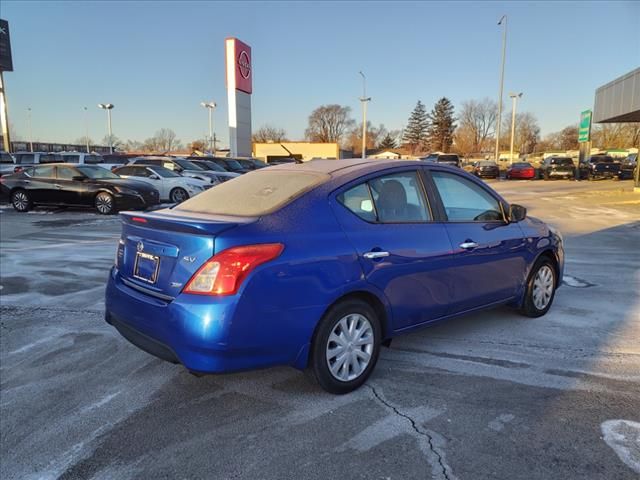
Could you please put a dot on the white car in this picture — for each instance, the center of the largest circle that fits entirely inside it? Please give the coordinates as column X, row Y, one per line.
column 172, row 186
column 83, row 158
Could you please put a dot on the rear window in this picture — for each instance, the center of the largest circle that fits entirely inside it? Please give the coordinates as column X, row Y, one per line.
column 253, row 194
column 448, row 158
column 561, row 161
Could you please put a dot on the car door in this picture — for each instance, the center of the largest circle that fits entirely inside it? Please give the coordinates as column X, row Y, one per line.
column 41, row 185
column 402, row 250
column 70, row 191
column 149, row 175
column 489, row 253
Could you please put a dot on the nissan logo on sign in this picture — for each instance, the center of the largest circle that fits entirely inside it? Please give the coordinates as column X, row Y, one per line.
column 244, row 64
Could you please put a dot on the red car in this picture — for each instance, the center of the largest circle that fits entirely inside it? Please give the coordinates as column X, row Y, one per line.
column 521, row 170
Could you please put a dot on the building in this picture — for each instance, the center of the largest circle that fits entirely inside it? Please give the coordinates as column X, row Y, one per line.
column 299, row 150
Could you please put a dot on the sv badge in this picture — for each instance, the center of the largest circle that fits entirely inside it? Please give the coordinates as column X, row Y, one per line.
column 189, row 259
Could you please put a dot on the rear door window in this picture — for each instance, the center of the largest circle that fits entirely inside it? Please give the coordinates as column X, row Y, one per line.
column 395, row 198
column 44, row 171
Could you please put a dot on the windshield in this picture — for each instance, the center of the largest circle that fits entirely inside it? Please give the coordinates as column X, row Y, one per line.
column 96, row 173
column 187, row 165
column 165, row 172
column 92, row 159
column 233, row 164
column 210, row 165
column 253, row 194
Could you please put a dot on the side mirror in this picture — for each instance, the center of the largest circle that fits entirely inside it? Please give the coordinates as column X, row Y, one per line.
column 517, row 213
column 154, row 177
column 78, row 178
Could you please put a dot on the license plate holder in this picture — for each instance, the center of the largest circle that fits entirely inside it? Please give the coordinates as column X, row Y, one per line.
column 146, row 267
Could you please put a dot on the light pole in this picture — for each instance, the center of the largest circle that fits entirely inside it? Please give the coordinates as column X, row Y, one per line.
column 86, row 127
column 108, row 107
column 30, row 129
column 503, row 21
column 364, row 99
column 211, row 106
column 514, row 97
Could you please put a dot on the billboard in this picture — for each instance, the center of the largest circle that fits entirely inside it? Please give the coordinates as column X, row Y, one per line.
column 6, row 62
column 239, row 73
column 239, row 70
column 584, row 131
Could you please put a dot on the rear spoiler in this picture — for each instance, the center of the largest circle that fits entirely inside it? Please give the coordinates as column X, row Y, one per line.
column 183, row 224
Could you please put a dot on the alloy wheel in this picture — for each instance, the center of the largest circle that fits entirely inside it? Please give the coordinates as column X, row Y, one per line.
column 350, row 347
column 20, row 201
column 104, row 203
column 543, row 287
column 179, row 195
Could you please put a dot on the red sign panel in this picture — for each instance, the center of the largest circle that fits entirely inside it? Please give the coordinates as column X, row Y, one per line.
column 239, row 55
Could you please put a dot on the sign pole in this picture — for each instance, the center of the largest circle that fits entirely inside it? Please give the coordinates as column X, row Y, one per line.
column 4, row 116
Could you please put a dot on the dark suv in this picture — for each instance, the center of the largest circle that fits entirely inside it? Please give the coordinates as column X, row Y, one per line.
column 603, row 166
column 627, row 166
column 557, row 167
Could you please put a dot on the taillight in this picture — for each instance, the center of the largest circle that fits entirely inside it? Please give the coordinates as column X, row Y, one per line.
column 224, row 272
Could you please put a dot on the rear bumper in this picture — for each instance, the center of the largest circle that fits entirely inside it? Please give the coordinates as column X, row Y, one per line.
column 205, row 335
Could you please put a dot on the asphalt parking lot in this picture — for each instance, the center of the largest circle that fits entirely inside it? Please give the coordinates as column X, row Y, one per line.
column 487, row 396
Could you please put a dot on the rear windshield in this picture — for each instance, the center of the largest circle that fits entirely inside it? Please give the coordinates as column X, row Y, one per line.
column 487, row 163
column 253, row 194
column 448, row 158
column 561, row 161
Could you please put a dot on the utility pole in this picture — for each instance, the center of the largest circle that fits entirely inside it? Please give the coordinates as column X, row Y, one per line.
column 30, row 129
column 86, row 127
column 503, row 21
column 514, row 97
column 364, row 99
column 211, row 106
column 108, row 107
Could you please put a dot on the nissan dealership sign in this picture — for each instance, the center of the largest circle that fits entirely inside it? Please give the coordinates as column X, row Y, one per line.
column 239, row 71
column 239, row 88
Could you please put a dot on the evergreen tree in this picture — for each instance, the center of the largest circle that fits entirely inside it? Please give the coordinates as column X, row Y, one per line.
column 415, row 133
column 441, row 126
column 388, row 142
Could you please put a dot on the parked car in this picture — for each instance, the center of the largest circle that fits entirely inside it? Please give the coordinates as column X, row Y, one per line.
column 603, row 166
column 627, row 166
column 321, row 264
column 229, row 164
column 7, row 163
column 486, row 169
column 557, row 167
column 445, row 158
column 23, row 159
column 179, row 165
column 83, row 158
column 521, row 170
column 76, row 185
column 250, row 163
column 206, row 164
column 172, row 186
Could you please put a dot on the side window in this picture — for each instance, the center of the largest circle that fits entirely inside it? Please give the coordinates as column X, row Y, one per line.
column 45, row 171
column 359, row 201
column 125, row 171
column 396, row 198
column 464, row 201
column 24, row 158
column 66, row 173
column 141, row 172
column 71, row 158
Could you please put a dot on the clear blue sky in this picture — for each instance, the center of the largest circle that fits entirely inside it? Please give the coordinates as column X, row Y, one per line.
column 156, row 61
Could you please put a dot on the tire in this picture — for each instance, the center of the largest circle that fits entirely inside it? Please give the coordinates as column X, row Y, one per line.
column 178, row 194
column 325, row 363
column 105, row 204
column 21, row 200
column 541, row 288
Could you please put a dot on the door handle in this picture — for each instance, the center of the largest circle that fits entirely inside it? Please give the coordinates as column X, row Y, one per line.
column 468, row 245
column 373, row 255
column 57, row 186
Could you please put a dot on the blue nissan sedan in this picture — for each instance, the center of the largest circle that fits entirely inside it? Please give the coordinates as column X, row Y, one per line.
column 317, row 265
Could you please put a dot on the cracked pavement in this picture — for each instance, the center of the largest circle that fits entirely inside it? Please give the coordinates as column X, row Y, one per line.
column 487, row 396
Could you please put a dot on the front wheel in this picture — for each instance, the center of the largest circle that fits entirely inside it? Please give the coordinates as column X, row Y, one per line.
column 178, row 195
column 105, row 204
column 345, row 348
column 21, row 201
column 541, row 289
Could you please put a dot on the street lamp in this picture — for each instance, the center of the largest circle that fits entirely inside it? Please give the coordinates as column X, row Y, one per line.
column 364, row 99
column 30, row 129
column 514, row 97
column 86, row 127
column 108, row 107
column 503, row 21
column 211, row 106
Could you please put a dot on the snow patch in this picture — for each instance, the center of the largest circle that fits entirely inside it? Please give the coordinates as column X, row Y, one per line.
column 623, row 436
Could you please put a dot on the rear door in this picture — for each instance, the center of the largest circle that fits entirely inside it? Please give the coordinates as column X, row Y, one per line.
column 403, row 252
column 489, row 253
column 42, row 185
column 70, row 191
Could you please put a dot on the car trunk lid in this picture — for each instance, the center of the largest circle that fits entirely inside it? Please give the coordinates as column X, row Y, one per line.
column 159, row 252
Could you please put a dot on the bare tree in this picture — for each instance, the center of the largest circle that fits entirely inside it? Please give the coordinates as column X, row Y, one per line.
column 476, row 125
column 269, row 133
column 166, row 139
column 84, row 140
column 374, row 137
column 616, row 135
column 527, row 133
column 115, row 141
column 329, row 123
